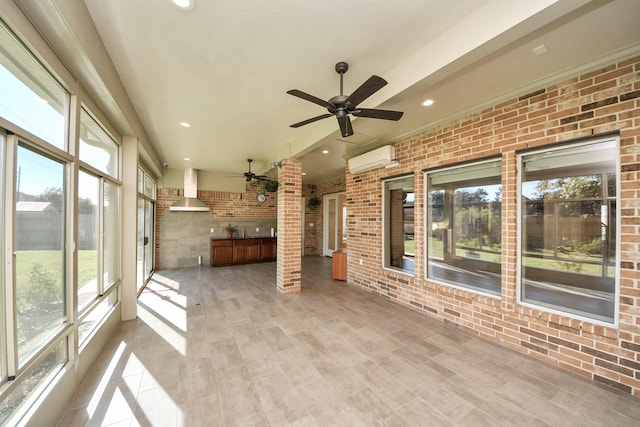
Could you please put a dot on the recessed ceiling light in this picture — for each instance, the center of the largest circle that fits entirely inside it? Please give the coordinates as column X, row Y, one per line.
column 428, row 102
column 187, row 158
column 325, row 151
column 184, row 4
column 185, row 124
column 542, row 49
column 304, row 173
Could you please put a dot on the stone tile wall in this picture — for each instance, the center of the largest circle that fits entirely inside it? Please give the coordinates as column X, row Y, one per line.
column 183, row 237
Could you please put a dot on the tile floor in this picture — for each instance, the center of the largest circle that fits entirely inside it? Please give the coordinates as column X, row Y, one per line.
column 221, row 347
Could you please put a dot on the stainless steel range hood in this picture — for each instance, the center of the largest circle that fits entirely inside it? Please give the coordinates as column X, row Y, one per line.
column 190, row 201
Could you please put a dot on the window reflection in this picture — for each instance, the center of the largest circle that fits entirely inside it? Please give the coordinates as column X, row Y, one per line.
column 568, row 245
column 464, row 226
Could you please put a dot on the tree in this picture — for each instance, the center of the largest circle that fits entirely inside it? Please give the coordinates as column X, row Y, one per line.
column 574, row 189
column 54, row 196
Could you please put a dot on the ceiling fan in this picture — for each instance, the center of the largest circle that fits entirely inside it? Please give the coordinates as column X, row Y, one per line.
column 248, row 176
column 341, row 105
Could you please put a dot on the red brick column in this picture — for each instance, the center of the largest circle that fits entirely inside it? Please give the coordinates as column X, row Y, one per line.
column 289, row 276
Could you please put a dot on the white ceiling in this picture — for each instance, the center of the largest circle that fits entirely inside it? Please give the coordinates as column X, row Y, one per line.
column 226, row 65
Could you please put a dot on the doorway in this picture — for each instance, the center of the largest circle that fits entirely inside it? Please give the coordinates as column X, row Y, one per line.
column 334, row 236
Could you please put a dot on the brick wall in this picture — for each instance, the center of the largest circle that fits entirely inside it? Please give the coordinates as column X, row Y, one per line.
column 600, row 102
column 289, row 268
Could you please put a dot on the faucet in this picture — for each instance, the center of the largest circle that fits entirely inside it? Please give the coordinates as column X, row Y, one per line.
column 244, row 232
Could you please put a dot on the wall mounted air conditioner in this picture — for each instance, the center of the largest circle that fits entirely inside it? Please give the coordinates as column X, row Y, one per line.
column 377, row 158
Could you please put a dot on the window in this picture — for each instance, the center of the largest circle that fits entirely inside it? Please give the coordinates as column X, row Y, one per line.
column 464, row 226
column 146, row 227
column 88, row 238
column 98, row 249
column 399, row 241
column 36, row 330
column 40, row 255
column 31, row 98
column 97, row 148
column 98, row 225
column 568, row 229
column 149, row 187
column 19, row 399
column 111, row 233
column 92, row 318
column 3, row 344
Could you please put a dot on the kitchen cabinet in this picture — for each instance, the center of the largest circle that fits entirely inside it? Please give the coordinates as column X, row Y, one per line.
column 242, row 251
column 269, row 250
column 239, row 251
column 221, row 252
column 254, row 250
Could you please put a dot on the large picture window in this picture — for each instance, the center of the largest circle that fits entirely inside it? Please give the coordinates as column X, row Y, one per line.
column 40, row 256
column 464, row 226
column 398, row 224
column 568, row 229
column 98, row 225
column 97, row 148
column 31, row 97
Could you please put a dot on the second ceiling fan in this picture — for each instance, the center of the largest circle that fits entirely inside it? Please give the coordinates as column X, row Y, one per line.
column 342, row 106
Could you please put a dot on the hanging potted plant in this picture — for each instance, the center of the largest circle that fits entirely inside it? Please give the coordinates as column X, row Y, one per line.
column 230, row 229
column 313, row 203
column 270, row 185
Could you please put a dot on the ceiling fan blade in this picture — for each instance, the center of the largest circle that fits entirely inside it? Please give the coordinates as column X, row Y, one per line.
column 310, row 98
column 345, row 125
column 378, row 114
column 311, row 120
column 368, row 88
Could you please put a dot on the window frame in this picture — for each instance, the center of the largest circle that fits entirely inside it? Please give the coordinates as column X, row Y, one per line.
column 615, row 138
column 426, row 218
column 17, row 69
column 29, row 380
column 385, row 231
column 103, row 289
column 12, row 368
column 143, row 178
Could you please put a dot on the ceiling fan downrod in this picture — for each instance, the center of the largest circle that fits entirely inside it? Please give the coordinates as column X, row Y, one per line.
column 341, row 68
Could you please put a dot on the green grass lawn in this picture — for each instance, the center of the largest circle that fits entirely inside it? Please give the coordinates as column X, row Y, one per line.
column 409, row 245
column 53, row 262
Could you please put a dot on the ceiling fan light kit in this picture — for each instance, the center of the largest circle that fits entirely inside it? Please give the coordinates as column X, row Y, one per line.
column 341, row 106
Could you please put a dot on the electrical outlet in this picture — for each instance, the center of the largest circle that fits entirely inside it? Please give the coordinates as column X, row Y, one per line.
column 361, row 262
column 257, row 229
column 212, row 230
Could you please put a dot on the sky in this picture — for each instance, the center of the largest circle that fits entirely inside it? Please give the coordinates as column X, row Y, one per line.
column 22, row 106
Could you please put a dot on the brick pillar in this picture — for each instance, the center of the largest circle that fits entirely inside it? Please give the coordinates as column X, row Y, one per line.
column 289, row 276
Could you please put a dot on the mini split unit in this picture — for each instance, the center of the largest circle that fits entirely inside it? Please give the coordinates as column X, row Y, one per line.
column 383, row 156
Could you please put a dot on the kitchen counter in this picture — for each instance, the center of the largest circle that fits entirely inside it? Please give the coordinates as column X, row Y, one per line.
column 242, row 250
